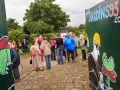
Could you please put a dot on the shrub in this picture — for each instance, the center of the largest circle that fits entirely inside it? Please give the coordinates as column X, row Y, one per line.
column 16, row 34
column 48, row 35
column 32, row 36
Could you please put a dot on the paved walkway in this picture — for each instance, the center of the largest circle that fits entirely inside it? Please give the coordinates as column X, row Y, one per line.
column 70, row 76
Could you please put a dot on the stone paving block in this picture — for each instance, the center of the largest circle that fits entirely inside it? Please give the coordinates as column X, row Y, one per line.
column 70, row 76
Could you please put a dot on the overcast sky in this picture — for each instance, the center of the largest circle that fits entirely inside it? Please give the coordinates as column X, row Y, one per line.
column 74, row 8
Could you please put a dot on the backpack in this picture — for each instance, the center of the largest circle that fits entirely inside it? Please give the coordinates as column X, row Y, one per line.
column 33, row 52
column 52, row 43
column 46, row 49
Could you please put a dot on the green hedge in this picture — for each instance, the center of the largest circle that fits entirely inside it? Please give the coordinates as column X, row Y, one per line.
column 48, row 35
column 32, row 36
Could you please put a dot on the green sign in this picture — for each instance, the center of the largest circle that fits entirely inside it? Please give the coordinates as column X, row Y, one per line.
column 3, row 29
column 6, row 78
column 103, row 28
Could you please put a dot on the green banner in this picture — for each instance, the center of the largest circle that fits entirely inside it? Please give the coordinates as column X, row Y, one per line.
column 3, row 28
column 6, row 78
column 103, row 28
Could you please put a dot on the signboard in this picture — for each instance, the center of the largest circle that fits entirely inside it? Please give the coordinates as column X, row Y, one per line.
column 6, row 79
column 103, row 28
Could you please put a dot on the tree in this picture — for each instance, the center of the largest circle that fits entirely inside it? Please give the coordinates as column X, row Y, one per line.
column 82, row 28
column 78, row 30
column 16, row 34
column 74, row 30
column 39, row 27
column 44, row 11
column 12, row 24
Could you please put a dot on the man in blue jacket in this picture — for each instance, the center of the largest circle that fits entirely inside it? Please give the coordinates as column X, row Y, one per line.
column 69, row 45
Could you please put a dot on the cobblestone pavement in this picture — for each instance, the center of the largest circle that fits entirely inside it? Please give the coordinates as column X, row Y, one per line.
column 25, row 68
column 70, row 76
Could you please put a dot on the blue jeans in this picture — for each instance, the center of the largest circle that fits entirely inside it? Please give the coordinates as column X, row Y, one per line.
column 48, row 61
column 60, row 55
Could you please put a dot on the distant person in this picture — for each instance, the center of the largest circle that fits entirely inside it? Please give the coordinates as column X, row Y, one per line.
column 15, row 59
column 53, row 45
column 59, row 45
column 35, row 55
column 40, row 40
column 76, row 44
column 83, row 46
column 13, row 43
column 25, row 44
column 69, row 45
column 64, row 50
column 45, row 46
column 19, row 46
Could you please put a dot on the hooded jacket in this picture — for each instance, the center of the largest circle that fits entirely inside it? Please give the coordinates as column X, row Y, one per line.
column 69, row 43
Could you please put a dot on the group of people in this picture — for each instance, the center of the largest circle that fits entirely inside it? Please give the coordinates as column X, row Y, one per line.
column 22, row 46
column 62, row 49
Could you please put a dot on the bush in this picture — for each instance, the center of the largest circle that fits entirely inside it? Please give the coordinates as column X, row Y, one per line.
column 16, row 34
column 48, row 35
column 32, row 36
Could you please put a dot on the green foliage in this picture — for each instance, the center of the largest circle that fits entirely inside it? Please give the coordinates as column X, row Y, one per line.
column 39, row 27
column 82, row 28
column 12, row 24
column 16, row 34
column 49, row 16
column 74, row 30
column 48, row 35
column 32, row 36
column 78, row 30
